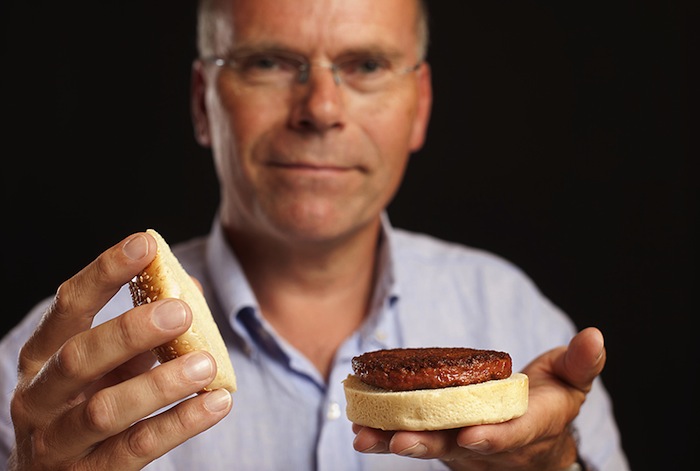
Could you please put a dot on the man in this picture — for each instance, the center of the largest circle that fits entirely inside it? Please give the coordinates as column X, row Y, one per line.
column 311, row 109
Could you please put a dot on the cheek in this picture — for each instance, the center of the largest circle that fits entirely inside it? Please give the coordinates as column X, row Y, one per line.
column 389, row 129
column 243, row 119
column 242, row 115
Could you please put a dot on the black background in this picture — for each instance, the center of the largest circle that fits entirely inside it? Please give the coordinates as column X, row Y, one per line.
column 560, row 140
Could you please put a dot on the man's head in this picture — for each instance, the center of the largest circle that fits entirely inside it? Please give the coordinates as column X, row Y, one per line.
column 311, row 108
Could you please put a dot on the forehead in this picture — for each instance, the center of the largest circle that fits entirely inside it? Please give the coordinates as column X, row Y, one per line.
column 324, row 27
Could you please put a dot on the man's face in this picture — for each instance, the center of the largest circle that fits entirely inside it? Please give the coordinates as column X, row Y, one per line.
column 318, row 160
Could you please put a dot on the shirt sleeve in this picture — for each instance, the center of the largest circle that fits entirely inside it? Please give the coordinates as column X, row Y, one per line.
column 10, row 346
column 454, row 295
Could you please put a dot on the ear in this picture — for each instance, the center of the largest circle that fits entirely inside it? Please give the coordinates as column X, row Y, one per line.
column 424, row 107
column 198, row 105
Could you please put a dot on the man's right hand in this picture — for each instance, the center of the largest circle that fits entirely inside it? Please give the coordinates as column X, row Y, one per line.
column 86, row 397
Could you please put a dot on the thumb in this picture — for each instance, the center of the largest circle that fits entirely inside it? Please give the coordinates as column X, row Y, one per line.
column 583, row 360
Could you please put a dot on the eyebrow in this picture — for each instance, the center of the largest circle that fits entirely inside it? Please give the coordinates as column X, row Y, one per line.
column 257, row 48
column 391, row 54
column 372, row 50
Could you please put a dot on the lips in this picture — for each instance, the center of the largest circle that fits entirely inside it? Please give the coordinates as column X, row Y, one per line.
column 311, row 155
column 311, row 166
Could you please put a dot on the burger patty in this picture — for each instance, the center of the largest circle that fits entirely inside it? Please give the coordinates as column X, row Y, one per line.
column 408, row 369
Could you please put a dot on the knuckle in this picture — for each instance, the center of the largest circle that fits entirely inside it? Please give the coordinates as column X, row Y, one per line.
column 73, row 295
column 101, row 268
column 163, row 380
column 69, row 302
column 141, row 441
column 70, row 361
column 100, row 415
column 33, row 446
column 25, row 360
column 128, row 333
column 63, row 301
column 19, row 409
column 186, row 418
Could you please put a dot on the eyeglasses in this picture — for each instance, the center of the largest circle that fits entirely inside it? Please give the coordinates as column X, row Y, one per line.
column 364, row 73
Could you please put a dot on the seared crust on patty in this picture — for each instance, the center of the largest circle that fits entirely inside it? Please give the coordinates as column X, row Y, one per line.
column 408, row 369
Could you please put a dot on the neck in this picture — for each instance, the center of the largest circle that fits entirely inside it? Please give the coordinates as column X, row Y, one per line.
column 314, row 295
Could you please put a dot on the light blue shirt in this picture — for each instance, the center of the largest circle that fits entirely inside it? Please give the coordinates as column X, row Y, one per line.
column 287, row 417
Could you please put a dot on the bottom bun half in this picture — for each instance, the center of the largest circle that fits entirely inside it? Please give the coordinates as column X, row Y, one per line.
column 489, row 402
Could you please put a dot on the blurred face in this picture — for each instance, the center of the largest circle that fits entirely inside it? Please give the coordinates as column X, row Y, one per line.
column 311, row 159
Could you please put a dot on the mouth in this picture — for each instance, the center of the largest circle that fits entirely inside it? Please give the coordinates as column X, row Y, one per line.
column 309, row 167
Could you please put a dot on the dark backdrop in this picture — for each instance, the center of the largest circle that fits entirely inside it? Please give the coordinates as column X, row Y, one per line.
column 560, row 140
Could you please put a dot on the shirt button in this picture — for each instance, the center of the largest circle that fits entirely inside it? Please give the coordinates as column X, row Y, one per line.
column 333, row 411
column 380, row 335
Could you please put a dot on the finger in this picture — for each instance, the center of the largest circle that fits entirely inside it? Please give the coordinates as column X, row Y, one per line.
column 441, row 444
column 434, row 444
column 552, row 405
column 78, row 299
column 584, row 359
column 370, row 440
column 112, row 410
column 518, row 442
column 489, row 439
column 576, row 365
column 90, row 355
column 155, row 436
column 133, row 367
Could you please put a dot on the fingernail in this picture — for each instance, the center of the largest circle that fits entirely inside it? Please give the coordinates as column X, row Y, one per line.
column 415, row 451
column 170, row 315
column 600, row 354
column 218, row 400
column 136, row 247
column 198, row 367
column 481, row 445
column 601, row 351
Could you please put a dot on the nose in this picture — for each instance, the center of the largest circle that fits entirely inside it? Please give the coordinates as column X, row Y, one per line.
column 318, row 101
column 305, row 71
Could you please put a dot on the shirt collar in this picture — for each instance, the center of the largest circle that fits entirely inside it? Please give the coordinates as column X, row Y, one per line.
column 234, row 294
column 238, row 302
column 386, row 291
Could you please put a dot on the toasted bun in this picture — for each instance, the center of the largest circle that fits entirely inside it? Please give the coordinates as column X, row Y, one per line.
column 163, row 278
column 489, row 402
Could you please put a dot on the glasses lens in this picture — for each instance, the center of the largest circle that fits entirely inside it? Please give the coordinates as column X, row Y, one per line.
column 268, row 69
column 366, row 73
column 361, row 73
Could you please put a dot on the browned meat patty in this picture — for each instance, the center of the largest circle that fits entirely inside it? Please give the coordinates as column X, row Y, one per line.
column 406, row 369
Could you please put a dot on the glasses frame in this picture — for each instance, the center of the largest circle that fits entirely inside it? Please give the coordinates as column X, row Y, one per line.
column 303, row 70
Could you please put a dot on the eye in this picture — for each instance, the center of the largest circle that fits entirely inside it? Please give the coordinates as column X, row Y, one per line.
column 261, row 62
column 266, row 63
column 367, row 66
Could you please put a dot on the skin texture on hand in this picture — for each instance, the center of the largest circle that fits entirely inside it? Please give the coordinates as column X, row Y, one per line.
column 83, row 392
column 539, row 440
